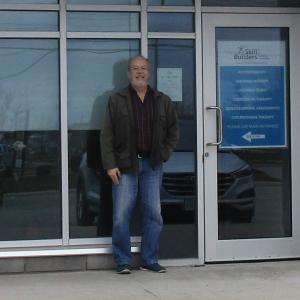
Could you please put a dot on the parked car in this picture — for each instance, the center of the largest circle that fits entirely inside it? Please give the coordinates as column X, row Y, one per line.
column 236, row 189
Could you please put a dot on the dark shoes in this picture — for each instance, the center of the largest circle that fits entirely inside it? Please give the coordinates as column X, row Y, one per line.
column 154, row 268
column 126, row 269
column 123, row 269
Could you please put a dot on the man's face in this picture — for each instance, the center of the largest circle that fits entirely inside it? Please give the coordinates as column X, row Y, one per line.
column 138, row 73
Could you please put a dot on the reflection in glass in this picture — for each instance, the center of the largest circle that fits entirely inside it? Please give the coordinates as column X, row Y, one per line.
column 178, row 195
column 102, row 21
column 28, row 21
column 96, row 69
column 257, row 3
column 170, row 22
column 30, row 197
column 112, row 2
column 28, row 1
column 171, row 2
column 254, row 172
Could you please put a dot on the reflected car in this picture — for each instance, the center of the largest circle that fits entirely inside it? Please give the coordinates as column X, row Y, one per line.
column 87, row 194
column 179, row 186
column 7, row 156
column 3, row 174
column 236, row 187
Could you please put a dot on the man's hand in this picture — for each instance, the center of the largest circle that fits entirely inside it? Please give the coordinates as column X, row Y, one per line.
column 115, row 175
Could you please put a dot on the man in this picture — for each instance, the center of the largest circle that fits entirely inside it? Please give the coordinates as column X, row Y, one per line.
column 139, row 133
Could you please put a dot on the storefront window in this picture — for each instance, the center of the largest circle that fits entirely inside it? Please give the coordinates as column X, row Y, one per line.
column 255, row 3
column 170, row 22
column 171, row 2
column 28, row 1
column 99, row 21
column 30, row 165
column 118, row 2
column 96, row 69
column 173, row 72
column 28, row 21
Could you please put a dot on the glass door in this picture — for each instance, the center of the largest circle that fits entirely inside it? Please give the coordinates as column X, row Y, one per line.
column 251, row 100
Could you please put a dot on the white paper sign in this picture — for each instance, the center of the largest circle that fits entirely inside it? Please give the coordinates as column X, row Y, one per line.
column 169, row 81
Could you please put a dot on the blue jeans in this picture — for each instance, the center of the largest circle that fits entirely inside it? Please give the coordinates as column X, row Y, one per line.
column 124, row 199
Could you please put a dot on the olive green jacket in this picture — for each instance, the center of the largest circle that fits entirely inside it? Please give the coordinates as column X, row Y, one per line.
column 118, row 134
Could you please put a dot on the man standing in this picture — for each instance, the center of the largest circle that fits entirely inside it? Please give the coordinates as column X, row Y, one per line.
column 140, row 132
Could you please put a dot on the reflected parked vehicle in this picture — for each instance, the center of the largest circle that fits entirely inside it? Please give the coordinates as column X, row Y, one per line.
column 236, row 187
column 7, row 156
column 3, row 174
column 178, row 192
column 87, row 193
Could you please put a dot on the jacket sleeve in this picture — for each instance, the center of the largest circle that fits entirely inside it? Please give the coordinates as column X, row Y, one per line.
column 107, row 139
column 172, row 130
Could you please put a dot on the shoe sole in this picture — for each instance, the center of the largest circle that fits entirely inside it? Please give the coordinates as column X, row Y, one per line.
column 144, row 269
column 125, row 271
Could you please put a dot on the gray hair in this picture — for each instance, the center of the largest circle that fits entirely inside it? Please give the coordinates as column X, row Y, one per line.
column 137, row 57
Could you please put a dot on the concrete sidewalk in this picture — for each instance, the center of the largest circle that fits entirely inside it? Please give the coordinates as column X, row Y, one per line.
column 266, row 280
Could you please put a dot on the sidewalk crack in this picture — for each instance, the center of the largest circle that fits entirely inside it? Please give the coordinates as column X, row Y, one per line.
column 151, row 293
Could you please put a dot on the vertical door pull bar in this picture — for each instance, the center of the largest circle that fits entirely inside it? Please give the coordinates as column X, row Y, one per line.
column 220, row 125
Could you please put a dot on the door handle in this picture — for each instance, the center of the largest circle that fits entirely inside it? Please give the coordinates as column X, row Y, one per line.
column 220, row 125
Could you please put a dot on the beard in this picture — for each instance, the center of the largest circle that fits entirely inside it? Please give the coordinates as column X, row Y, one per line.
column 139, row 83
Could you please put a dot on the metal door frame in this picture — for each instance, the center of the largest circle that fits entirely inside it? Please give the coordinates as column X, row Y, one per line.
column 247, row 249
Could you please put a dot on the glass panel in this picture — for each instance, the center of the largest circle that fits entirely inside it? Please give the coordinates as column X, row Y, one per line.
column 171, row 2
column 173, row 65
column 171, row 22
column 254, row 171
column 110, row 2
column 257, row 3
column 102, row 21
column 30, row 172
column 28, row 21
column 28, row 1
column 96, row 69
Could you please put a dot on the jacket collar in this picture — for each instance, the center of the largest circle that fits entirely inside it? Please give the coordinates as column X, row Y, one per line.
column 125, row 92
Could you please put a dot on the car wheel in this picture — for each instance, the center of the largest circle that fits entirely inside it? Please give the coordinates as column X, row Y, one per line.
column 84, row 216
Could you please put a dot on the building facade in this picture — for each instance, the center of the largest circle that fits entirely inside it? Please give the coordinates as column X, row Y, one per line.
column 232, row 69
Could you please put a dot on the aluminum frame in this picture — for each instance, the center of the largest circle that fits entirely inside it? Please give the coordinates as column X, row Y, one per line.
column 171, row 35
column 32, row 7
column 260, row 248
column 60, row 252
column 103, row 8
column 103, row 35
column 30, row 34
column 251, row 10
column 180, row 9
column 64, row 122
column 200, row 135
column 144, row 28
